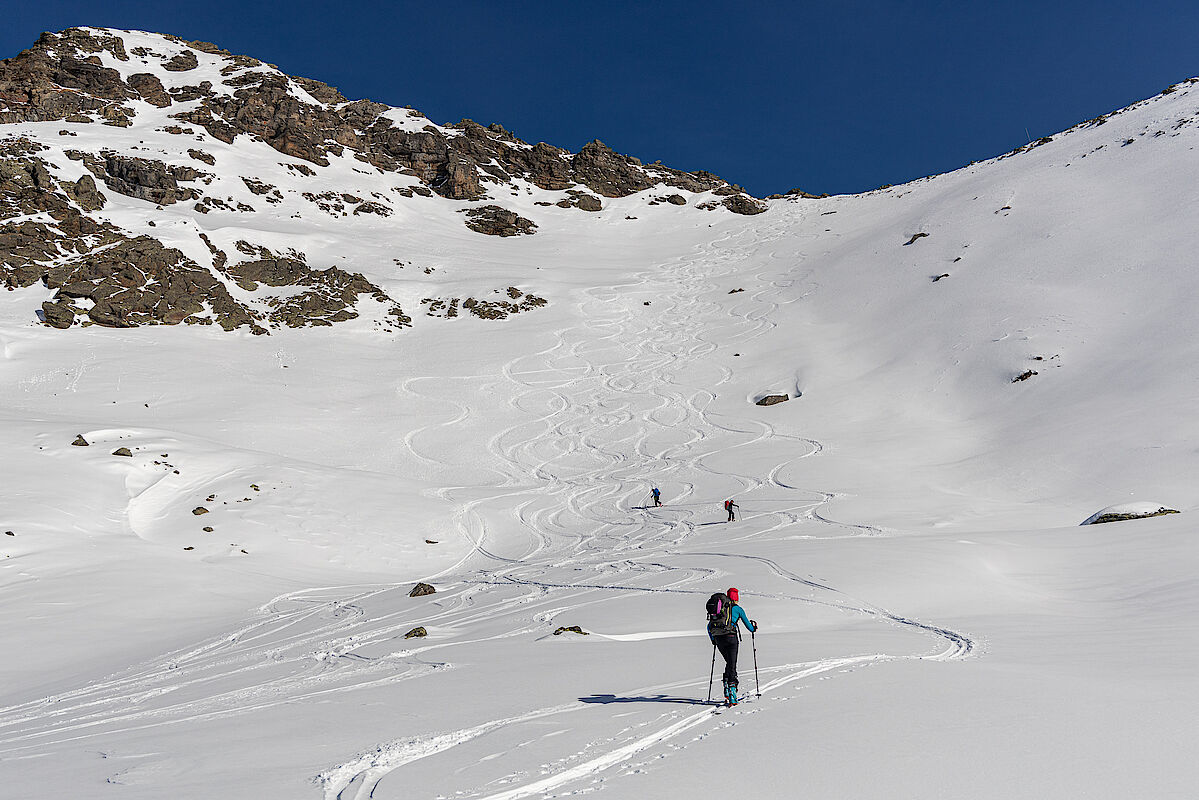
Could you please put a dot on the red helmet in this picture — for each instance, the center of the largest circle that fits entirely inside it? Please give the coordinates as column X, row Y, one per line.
column 732, row 593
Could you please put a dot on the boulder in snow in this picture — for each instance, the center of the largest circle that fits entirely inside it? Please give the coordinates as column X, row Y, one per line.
column 421, row 589
column 772, row 399
column 571, row 629
column 1124, row 511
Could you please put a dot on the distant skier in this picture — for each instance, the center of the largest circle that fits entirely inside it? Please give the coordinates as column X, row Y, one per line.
column 657, row 496
column 729, row 505
column 723, row 615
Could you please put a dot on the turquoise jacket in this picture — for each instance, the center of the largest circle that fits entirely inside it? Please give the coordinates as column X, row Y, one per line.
column 736, row 614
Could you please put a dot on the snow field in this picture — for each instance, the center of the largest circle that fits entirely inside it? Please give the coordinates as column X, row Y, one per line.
column 934, row 620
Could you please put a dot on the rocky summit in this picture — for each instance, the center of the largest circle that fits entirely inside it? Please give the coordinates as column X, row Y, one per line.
column 102, row 131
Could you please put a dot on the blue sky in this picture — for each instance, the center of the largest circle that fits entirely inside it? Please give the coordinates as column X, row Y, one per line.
column 825, row 96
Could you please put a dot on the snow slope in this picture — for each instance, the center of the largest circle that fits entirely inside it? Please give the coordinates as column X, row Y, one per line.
column 934, row 621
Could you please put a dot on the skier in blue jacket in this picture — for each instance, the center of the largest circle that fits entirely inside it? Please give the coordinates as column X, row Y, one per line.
column 723, row 631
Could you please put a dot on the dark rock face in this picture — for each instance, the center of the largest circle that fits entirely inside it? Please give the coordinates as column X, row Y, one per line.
column 200, row 155
column 183, row 62
column 421, row 589
column 103, row 275
column 497, row 221
column 26, row 187
column 329, row 297
column 514, row 302
column 600, row 168
column 139, row 282
column 743, row 204
column 796, row 194
column 583, row 200
column 80, row 441
column 150, row 89
column 148, row 180
column 773, row 399
column 416, row 633
column 1114, row 517
column 60, row 78
column 122, row 451
column 571, row 629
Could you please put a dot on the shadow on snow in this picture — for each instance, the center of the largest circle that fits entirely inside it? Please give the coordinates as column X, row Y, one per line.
column 653, row 698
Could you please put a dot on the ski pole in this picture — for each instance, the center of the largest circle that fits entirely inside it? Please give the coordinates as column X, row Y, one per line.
column 753, row 637
column 713, row 675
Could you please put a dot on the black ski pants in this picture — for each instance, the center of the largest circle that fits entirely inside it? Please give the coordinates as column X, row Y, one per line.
column 728, row 644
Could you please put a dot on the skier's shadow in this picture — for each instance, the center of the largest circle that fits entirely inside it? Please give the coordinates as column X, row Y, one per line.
column 653, row 698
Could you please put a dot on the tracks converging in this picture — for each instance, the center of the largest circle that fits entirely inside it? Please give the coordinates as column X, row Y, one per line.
column 554, row 514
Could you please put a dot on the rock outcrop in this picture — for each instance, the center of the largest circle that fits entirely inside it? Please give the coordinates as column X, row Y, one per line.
column 99, row 273
column 61, row 77
column 497, row 221
column 772, row 399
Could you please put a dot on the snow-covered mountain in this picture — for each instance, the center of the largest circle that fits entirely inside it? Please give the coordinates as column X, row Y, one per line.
column 272, row 356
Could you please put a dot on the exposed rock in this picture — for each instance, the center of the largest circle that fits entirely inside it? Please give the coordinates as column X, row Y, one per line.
column 141, row 282
column 330, row 294
column 421, row 589
column 583, row 200
column 199, row 510
column 676, row 199
column 497, row 221
column 416, row 633
column 1127, row 512
column 773, row 399
column 122, row 451
column 85, row 193
column 600, row 168
column 80, row 441
column 939, row 277
column 915, row 236
column 571, row 629
column 373, row 208
column 515, row 303
column 200, row 155
column 258, row 187
column 183, row 62
column 1023, row 376
column 321, row 92
column 797, row 193
column 150, row 89
column 148, row 180
column 58, row 79
column 743, row 204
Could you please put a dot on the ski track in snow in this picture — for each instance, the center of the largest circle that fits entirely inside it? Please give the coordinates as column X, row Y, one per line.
column 581, row 400
column 605, row 413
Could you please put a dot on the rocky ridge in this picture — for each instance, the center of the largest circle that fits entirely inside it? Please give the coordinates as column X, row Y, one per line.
column 54, row 230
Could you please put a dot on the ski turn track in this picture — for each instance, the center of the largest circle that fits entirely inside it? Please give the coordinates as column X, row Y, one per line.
column 615, row 415
column 555, row 513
